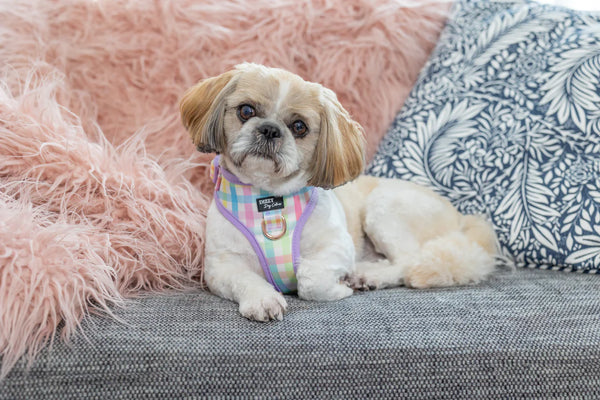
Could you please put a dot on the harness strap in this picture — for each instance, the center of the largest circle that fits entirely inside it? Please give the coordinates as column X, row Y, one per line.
column 272, row 224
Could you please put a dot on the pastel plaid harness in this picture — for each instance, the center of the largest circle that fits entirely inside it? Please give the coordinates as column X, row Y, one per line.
column 272, row 224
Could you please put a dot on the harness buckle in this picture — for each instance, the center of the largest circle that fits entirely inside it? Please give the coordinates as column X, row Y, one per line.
column 277, row 235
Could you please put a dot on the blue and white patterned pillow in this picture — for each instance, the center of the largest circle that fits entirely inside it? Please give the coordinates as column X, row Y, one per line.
column 505, row 120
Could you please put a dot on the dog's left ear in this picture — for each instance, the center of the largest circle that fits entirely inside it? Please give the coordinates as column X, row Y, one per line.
column 202, row 110
column 340, row 153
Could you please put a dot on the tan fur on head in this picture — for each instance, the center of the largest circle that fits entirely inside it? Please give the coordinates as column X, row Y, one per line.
column 202, row 108
column 339, row 156
column 330, row 154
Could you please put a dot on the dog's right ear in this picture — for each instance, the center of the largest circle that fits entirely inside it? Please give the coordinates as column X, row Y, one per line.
column 202, row 111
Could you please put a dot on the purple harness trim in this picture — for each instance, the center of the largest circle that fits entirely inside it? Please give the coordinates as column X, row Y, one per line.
column 314, row 198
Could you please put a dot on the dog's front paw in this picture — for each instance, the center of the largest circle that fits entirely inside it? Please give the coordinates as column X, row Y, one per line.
column 264, row 308
column 338, row 292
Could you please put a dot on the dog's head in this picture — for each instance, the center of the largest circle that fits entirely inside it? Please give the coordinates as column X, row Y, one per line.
column 273, row 129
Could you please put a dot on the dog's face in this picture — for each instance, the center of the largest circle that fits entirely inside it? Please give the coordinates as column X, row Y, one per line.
column 273, row 129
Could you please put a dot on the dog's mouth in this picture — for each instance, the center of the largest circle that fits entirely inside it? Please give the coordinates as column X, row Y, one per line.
column 261, row 148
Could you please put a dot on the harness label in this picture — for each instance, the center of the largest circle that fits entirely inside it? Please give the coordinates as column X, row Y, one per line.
column 269, row 203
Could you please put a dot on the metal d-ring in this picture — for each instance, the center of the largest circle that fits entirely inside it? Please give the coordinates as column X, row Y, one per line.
column 274, row 237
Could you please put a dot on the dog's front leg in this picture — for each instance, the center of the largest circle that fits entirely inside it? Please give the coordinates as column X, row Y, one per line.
column 227, row 277
column 328, row 253
column 232, row 271
column 322, row 279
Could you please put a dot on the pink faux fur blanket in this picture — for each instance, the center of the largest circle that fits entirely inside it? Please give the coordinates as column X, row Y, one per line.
column 101, row 192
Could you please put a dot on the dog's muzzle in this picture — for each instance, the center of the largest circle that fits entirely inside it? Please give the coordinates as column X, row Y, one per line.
column 269, row 131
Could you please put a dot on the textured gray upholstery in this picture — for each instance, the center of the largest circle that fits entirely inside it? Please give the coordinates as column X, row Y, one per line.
column 527, row 333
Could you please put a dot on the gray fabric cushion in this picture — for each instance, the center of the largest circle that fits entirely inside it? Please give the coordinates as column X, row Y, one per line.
column 532, row 333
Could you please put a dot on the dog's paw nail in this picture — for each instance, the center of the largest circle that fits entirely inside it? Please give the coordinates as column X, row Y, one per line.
column 269, row 307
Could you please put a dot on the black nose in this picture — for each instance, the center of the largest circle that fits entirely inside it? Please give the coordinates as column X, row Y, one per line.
column 269, row 130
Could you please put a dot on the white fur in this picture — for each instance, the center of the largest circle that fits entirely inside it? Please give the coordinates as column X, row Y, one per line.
column 232, row 269
column 284, row 89
column 418, row 238
column 371, row 233
column 327, row 252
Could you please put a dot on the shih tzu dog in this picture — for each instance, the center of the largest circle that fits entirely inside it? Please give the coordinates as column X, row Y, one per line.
column 274, row 225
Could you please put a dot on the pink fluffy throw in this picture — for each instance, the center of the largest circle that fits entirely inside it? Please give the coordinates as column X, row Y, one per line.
column 102, row 194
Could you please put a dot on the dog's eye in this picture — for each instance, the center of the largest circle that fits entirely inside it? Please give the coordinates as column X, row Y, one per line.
column 299, row 128
column 245, row 112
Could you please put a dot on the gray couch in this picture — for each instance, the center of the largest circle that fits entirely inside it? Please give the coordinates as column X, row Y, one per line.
column 522, row 334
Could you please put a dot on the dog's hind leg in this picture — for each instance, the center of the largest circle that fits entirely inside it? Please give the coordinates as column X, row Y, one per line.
column 392, row 238
column 459, row 257
column 371, row 275
column 424, row 240
column 450, row 259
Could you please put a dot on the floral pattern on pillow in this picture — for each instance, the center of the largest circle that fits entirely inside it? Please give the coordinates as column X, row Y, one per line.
column 505, row 120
